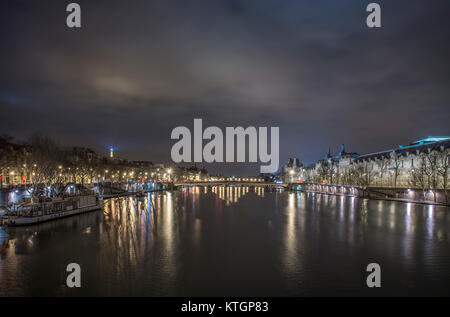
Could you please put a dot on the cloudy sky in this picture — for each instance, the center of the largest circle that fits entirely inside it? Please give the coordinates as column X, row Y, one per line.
column 137, row 69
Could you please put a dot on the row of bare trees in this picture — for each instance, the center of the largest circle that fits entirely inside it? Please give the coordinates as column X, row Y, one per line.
column 42, row 163
column 431, row 172
column 359, row 175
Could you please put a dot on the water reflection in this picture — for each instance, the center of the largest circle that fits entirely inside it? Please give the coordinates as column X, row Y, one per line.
column 291, row 240
column 231, row 194
column 228, row 240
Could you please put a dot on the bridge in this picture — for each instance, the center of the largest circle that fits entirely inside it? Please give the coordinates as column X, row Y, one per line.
column 234, row 183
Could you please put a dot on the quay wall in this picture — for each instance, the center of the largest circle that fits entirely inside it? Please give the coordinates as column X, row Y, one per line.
column 389, row 193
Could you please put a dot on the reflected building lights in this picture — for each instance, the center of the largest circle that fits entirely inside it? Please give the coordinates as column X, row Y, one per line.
column 392, row 216
column 232, row 194
column 290, row 259
column 408, row 218
column 430, row 220
column 352, row 208
column 341, row 208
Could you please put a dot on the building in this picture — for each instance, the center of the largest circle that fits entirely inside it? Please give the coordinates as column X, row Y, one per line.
column 421, row 164
column 292, row 171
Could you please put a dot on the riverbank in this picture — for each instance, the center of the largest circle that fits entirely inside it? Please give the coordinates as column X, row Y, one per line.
column 408, row 195
column 387, row 199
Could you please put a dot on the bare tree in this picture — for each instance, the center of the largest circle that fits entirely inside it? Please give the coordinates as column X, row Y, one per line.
column 395, row 166
column 361, row 174
column 331, row 173
column 442, row 168
column 323, row 172
column 383, row 165
column 367, row 176
column 418, row 177
column 431, row 164
column 45, row 159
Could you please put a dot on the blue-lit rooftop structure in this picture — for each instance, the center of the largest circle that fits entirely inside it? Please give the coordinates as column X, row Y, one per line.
column 428, row 140
column 430, row 143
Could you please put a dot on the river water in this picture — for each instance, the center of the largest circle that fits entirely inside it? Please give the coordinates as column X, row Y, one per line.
column 233, row 241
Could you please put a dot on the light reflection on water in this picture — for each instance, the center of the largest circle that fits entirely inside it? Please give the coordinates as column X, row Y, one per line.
column 234, row 241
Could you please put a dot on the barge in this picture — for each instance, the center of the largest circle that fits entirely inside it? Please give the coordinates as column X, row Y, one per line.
column 31, row 212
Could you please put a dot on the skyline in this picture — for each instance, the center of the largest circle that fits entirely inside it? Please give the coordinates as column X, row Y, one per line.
column 133, row 73
column 111, row 154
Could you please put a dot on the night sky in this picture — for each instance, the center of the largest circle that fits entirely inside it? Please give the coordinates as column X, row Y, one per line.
column 137, row 69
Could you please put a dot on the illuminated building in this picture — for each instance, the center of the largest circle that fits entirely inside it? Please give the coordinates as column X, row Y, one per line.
column 423, row 163
column 292, row 171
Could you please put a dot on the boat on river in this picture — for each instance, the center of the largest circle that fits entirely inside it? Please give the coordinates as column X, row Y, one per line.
column 42, row 209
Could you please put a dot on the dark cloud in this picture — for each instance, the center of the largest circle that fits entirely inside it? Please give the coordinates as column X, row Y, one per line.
column 135, row 70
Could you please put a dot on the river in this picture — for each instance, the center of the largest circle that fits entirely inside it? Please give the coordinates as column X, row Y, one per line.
column 233, row 241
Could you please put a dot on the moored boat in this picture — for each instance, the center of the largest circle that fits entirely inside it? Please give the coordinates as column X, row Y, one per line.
column 46, row 209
